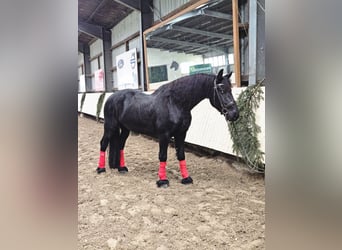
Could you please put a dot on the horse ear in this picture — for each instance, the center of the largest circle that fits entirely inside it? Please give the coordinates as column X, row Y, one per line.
column 219, row 75
column 230, row 74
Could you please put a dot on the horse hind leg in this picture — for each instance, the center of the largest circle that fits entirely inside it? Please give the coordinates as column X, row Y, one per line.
column 103, row 146
column 123, row 137
column 113, row 149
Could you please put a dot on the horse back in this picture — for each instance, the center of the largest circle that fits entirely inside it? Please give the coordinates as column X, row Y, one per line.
column 146, row 114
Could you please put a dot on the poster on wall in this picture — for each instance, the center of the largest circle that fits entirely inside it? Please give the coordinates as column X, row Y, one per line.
column 98, row 80
column 127, row 70
column 200, row 68
column 81, row 84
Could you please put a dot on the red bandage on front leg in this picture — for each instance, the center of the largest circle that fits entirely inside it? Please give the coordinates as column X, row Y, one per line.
column 162, row 171
column 122, row 158
column 184, row 171
column 102, row 160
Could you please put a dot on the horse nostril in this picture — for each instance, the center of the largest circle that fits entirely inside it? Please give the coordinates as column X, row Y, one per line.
column 236, row 115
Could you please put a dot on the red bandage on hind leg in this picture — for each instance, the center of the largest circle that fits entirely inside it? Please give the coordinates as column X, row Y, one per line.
column 122, row 158
column 102, row 160
column 162, row 171
column 184, row 171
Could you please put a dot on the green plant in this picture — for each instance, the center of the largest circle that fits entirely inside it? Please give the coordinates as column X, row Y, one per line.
column 82, row 100
column 244, row 131
column 99, row 105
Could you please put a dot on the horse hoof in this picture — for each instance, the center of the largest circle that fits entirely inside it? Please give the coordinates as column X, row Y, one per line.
column 163, row 183
column 123, row 170
column 187, row 180
column 100, row 170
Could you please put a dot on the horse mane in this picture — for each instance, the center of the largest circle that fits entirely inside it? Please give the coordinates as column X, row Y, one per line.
column 185, row 83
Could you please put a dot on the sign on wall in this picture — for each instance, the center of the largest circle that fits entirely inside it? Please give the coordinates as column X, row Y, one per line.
column 127, row 70
column 157, row 73
column 200, row 68
column 98, row 80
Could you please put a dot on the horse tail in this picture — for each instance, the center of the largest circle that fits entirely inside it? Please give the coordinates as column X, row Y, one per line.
column 111, row 128
column 109, row 123
column 108, row 113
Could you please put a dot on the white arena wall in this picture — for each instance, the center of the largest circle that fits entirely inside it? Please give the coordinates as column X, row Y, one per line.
column 208, row 127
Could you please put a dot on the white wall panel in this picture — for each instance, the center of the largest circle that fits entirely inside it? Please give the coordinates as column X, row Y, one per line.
column 126, row 27
column 96, row 48
column 79, row 71
column 90, row 103
column 80, row 58
column 135, row 43
column 117, row 51
column 209, row 128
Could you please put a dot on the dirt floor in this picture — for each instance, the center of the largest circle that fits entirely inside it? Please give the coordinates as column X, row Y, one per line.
column 223, row 209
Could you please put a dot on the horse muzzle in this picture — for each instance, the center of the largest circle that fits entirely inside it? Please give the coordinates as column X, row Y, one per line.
column 230, row 111
column 231, row 115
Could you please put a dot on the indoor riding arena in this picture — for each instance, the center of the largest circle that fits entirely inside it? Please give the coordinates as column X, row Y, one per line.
column 223, row 209
column 192, row 73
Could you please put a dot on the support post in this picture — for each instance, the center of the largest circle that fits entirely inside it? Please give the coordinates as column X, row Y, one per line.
column 87, row 70
column 146, row 22
column 236, row 42
column 107, row 59
column 252, row 50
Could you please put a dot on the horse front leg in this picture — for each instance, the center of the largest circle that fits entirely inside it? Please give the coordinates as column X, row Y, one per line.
column 121, row 160
column 179, row 141
column 163, row 144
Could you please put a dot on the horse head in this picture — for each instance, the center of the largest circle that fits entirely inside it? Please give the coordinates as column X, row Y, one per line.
column 222, row 98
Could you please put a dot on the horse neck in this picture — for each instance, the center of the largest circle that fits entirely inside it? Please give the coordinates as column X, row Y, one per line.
column 195, row 91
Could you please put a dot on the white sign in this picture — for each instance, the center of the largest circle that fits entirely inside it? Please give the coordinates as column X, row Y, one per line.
column 98, row 80
column 81, row 84
column 127, row 70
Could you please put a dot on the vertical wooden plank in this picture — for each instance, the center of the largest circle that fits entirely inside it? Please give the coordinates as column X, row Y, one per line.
column 236, row 42
column 146, row 64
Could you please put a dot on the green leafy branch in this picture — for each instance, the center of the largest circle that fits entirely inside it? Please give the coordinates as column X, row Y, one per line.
column 99, row 105
column 82, row 101
column 244, row 131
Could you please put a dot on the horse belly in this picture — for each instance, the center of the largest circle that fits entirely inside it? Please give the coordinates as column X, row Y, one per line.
column 138, row 120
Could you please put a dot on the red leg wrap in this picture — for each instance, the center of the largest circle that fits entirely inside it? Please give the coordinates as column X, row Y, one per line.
column 184, row 171
column 162, row 171
column 102, row 160
column 122, row 158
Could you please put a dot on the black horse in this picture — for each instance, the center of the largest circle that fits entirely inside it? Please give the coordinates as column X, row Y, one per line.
column 164, row 114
